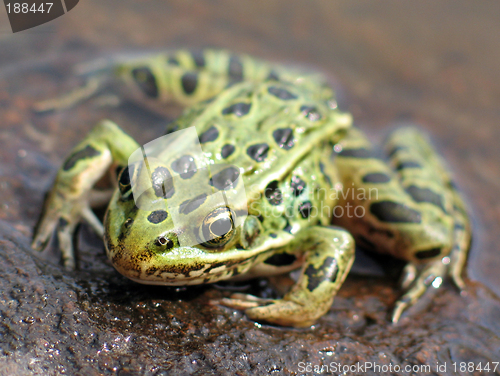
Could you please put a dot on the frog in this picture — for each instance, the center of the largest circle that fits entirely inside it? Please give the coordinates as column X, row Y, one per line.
column 314, row 184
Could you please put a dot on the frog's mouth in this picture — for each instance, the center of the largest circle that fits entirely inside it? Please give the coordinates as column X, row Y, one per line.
column 178, row 267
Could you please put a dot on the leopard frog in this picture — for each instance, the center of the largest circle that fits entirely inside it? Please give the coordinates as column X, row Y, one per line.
column 314, row 187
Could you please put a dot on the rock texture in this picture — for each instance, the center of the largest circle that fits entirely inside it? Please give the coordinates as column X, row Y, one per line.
column 435, row 64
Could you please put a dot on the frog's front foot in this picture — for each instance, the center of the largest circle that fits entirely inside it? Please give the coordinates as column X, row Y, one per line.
column 69, row 199
column 329, row 256
column 62, row 215
column 275, row 311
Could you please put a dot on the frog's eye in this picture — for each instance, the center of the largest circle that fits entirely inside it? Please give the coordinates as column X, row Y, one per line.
column 218, row 227
column 146, row 81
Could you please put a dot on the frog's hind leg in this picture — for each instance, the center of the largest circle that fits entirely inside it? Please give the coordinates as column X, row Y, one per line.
column 417, row 165
column 410, row 211
column 328, row 259
column 190, row 77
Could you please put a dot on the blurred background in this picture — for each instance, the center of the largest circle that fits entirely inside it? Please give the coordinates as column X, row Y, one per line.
column 432, row 62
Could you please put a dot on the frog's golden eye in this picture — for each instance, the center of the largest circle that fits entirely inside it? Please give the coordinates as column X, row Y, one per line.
column 146, row 81
column 218, row 227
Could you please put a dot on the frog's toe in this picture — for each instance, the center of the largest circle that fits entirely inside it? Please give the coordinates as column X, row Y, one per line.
column 431, row 275
column 65, row 232
column 43, row 233
column 244, row 301
column 284, row 313
column 280, row 312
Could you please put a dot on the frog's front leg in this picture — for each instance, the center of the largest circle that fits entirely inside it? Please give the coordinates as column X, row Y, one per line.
column 329, row 258
column 68, row 201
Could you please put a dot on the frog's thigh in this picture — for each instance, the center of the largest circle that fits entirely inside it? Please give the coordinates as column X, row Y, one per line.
column 328, row 260
column 430, row 185
column 67, row 201
column 415, row 215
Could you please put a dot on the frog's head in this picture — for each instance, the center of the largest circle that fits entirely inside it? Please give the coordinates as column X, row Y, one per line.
column 176, row 233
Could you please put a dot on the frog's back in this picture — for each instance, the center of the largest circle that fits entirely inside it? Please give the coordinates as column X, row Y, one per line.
column 264, row 129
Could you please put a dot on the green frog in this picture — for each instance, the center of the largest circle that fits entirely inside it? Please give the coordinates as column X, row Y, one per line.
column 314, row 186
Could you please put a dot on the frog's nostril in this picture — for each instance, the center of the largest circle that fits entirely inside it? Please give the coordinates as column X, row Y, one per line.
column 164, row 242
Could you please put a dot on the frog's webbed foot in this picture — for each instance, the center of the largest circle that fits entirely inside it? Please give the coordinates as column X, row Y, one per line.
column 329, row 256
column 275, row 311
column 62, row 215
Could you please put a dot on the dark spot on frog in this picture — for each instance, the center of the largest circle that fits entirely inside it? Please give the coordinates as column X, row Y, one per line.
column 198, row 58
column 288, row 227
column 281, row 259
column 281, row 93
column 328, row 271
column 63, row 222
column 184, row 166
column 421, row 255
column 162, row 182
column 226, row 178
column 146, row 81
column 190, row 205
column 273, row 76
column 173, row 61
column 408, row 164
column 284, row 138
column 235, row 69
column 357, row 153
column 124, row 179
column 227, row 150
column 157, row 216
column 171, row 128
column 325, row 176
column 258, row 152
column 298, row 185
column 381, row 232
column 209, row 135
column 311, row 113
column 150, row 271
column 305, row 209
column 237, row 109
column 376, row 177
column 426, row 195
column 72, row 160
column 273, row 193
column 395, row 150
column 273, row 235
column 235, row 272
column 389, row 211
column 251, row 231
column 189, row 82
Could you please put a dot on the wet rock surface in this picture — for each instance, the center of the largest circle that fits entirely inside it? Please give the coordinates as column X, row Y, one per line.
column 434, row 64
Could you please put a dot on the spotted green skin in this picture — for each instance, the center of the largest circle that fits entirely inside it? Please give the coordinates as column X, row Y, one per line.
column 298, row 158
